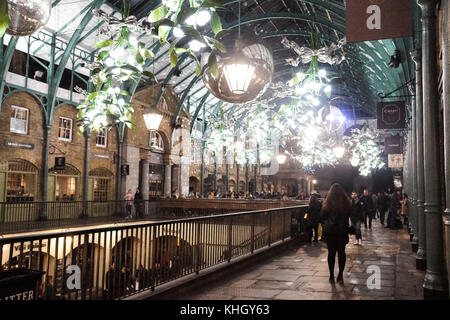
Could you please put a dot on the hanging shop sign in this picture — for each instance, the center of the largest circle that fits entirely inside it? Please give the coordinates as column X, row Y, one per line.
column 393, row 145
column 368, row 20
column 391, row 115
column 60, row 163
column 125, row 169
column 395, row 161
column 20, row 145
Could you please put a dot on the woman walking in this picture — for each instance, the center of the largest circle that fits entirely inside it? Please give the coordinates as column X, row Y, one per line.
column 335, row 214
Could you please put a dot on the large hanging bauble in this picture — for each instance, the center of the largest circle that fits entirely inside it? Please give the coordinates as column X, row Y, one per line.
column 245, row 72
column 331, row 117
column 27, row 16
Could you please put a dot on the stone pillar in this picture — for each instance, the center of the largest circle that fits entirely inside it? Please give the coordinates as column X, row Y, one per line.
column 435, row 282
column 227, row 180
column 445, row 7
column 86, row 164
column 144, row 186
column 168, row 180
column 420, row 196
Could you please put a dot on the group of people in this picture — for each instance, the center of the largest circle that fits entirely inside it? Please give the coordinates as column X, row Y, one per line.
column 136, row 200
column 341, row 216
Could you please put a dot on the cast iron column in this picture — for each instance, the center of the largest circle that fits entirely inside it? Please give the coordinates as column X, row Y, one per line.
column 237, row 178
column 412, row 172
column 86, row 164
column 420, row 196
column 435, row 282
column 446, row 92
column 44, row 176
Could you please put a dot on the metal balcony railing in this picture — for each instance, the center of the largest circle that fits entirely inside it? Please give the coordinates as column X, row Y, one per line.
column 117, row 262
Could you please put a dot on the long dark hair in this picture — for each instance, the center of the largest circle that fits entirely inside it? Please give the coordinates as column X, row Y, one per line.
column 337, row 201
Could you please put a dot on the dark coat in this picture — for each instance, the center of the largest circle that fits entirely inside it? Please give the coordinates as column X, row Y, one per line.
column 383, row 202
column 335, row 227
column 314, row 213
column 357, row 212
column 368, row 206
column 138, row 197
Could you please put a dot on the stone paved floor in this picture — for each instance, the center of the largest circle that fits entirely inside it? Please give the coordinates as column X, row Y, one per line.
column 302, row 273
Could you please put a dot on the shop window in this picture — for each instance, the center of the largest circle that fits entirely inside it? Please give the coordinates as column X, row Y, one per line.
column 100, row 140
column 19, row 120
column 65, row 129
column 101, row 188
column 102, row 181
column 66, row 183
column 65, row 188
column 156, row 180
column 21, row 179
column 155, row 140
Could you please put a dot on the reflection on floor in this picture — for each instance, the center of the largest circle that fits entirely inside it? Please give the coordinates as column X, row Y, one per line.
column 302, row 273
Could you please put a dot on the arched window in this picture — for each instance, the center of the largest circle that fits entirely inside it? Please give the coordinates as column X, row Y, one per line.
column 155, row 140
column 21, row 179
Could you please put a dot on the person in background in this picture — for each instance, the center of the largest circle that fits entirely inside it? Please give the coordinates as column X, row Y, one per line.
column 356, row 217
column 211, row 195
column 374, row 200
column 382, row 205
column 404, row 208
column 129, row 203
column 175, row 194
column 335, row 214
column 368, row 208
column 314, row 217
column 112, row 283
column 138, row 203
column 394, row 209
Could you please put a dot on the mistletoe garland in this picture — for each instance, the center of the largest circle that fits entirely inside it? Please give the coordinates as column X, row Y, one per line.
column 120, row 63
column 362, row 144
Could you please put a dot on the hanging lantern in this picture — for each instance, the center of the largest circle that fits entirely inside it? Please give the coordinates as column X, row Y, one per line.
column 281, row 158
column 354, row 161
column 331, row 117
column 245, row 72
column 339, row 151
column 27, row 16
column 153, row 116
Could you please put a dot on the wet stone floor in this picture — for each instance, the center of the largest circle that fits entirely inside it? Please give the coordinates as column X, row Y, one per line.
column 302, row 273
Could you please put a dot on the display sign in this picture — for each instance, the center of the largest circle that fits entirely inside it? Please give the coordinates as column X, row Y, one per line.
column 395, row 160
column 102, row 156
column 391, row 115
column 21, row 145
column 368, row 20
column 19, row 284
column 393, row 145
column 60, row 163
